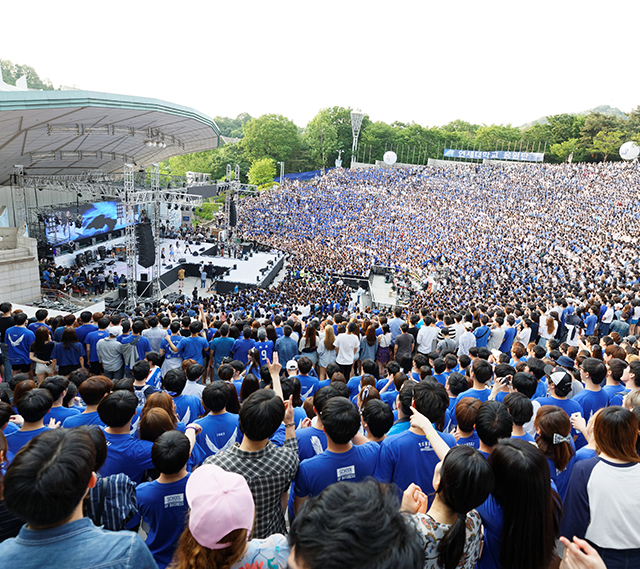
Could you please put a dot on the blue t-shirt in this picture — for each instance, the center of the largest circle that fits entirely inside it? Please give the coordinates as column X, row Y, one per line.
column 390, row 398
column 525, row 437
column 82, row 331
column 492, row 520
column 19, row 341
column 128, row 455
column 221, row 348
column 17, row 439
column 188, row 408
column 33, row 327
column 311, row 441
column 585, row 453
column 219, row 432
column 240, row 349
column 322, row 470
column 618, row 398
column 164, row 507
column 80, row 419
column 353, row 384
column 68, row 357
column 192, row 348
column 266, row 351
column 611, row 390
column 472, row 441
column 60, row 414
column 400, row 426
column 409, row 457
column 561, row 477
column 308, row 386
column 591, row 401
column 541, row 390
column 92, row 338
column 168, row 352
column 480, row 394
column 507, row 341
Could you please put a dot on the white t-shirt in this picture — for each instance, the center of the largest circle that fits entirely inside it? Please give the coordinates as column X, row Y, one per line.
column 347, row 346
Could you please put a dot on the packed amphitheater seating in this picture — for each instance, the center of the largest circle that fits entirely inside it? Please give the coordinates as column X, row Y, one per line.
column 490, row 421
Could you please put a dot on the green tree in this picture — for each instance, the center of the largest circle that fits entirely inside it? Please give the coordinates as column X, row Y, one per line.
column 321, row 137
column 232, row 127
column 196, row 162
column 562, row 150
column 496, row 136
column 262, row 171
column 607, row 143
column 229, row 154
column 270, row 136
column 12, row 72
column 462, row 127
column 375, row 139
column 563, row 127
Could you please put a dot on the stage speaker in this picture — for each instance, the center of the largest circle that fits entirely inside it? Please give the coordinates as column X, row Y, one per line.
column 144, row 277
column 144, row 289
column 195, row 253
column 102, row 251
column 122, row 292
column 182, row 260
column 198, row 243
column 233, row 214
column 146, row 246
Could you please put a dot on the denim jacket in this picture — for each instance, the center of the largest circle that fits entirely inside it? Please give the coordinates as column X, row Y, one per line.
column 76, row 545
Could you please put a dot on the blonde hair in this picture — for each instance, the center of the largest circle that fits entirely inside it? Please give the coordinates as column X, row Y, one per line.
column 329, row 338
column 631, row 399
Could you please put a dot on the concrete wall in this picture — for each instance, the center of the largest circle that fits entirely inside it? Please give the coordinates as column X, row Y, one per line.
column 19, row 273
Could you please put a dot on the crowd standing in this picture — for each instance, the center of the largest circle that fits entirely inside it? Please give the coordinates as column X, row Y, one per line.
column 491, row 422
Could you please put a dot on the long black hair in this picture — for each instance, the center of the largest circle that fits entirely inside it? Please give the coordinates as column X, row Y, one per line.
column 531, row 509
column 466, row 480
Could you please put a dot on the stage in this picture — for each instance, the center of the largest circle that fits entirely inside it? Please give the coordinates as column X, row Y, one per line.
column 252, row 269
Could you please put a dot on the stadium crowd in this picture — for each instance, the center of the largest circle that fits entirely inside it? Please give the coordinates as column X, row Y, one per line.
column 491, row 422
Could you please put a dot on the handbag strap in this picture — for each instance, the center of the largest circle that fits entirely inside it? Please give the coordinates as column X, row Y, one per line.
column 103, row 495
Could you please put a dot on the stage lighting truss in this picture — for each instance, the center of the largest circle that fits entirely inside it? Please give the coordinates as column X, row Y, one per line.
column 151, row 137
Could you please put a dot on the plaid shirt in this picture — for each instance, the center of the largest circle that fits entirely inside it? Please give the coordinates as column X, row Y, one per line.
column 120, row 501
column 269, row 473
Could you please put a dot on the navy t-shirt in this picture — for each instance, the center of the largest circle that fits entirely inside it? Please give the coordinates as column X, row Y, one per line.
column 67, row 357
column 164, row 507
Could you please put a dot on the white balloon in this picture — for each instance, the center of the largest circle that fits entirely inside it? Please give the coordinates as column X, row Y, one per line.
column 390, row 157
column 629, row 150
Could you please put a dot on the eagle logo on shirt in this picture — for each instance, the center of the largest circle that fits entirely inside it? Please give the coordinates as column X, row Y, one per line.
column 307, row 393
column 316, row 445
column 214, row 449
column 17, row 342
column 187, row 416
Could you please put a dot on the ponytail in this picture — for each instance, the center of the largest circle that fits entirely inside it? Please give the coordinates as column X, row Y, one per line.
column 451, row 546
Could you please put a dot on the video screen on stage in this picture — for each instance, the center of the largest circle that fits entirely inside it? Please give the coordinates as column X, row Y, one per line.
column 96, row 219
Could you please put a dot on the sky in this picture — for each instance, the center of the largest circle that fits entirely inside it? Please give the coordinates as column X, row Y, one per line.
column 411, row 61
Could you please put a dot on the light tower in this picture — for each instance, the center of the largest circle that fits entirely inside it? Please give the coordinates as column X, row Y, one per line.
column 356, row 123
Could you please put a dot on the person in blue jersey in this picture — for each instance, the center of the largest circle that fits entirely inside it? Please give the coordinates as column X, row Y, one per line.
column 615, row 370
column 404, row 400
column 313, row 440
column 92, row 390
column 86, row 326
column 369, row 367
column 32, row 407
column 171, row 359
column 377, row 419
column 520, row 408
column 439, row 368
column 252, row 366
column 493, row 423
column 125, row 453
column 155, row 374
column 341, row 461
column 162, row 503
column 191, row 348
column 241, row 347
column 57, row 386
column 481, row 374
column 631, row 380
column 219, row 427
column 521, row 517
column 509, row 334
column 410, row 456
column 188, row 407
column 602, row 504
column 90, row 344
column 553, row 428
column 482, row 332
column 451, row 529
column 45, row 486
column 308, row 383
column 592, row 397
column 18, row 339
column 466, row 412
column 264, row 346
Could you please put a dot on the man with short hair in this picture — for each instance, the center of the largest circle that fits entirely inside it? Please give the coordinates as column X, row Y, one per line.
column 57, row 385
column 19, row 339
column 267, row 469
column 109, row 352
column 45, row 485
column 241, row 347
column 154, row 334
column 347, row 346
column 91, row 344
column 308, row 384
column 32, row 407
column 6, row 321
column 286, row 347
column 592, row 372
column 342, row 460
column 219, row 428
column 493, row 422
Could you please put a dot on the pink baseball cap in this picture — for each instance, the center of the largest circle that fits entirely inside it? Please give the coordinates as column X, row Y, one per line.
column 220, row 503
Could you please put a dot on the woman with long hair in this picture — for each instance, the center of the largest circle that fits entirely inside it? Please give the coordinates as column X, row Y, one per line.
column 602, row 501
column 40, row 353
column 326, row 351
column 451, row 528
column 253, row 363
column 368, row 345
column 521, row 517
column 553, row 428
column 68, row 355
column 548, row 328
column 308, row 343
column 220, row 521
column 383, row 354
column 249, row 385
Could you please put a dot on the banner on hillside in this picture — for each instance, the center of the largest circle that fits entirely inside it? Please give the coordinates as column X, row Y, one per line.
column 495, row 155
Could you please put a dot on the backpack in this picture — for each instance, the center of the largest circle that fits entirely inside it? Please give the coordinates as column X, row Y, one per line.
column 130, row 353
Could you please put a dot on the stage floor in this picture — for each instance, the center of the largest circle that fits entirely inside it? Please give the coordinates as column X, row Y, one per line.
column 249, row 272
